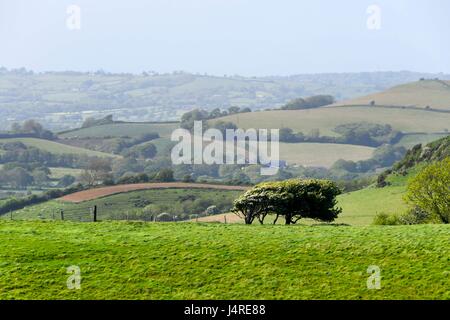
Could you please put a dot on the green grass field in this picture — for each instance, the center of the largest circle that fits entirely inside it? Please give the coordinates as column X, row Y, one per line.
column 327, row 118
column 322, row 154
column 120, row 260
column 360, row 207
column 122, row 129
column 56, row 148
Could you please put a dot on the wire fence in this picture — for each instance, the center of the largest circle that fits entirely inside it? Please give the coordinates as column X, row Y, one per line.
column 79, row 214
column 135, row 210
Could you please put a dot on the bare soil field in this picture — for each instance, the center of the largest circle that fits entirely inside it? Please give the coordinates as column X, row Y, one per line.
column 92, row 194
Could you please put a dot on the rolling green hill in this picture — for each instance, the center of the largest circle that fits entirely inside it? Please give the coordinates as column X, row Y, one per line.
column 327, row 118
column 120, row 260
column 56, row 148
column 132, row 130
column 432, row 93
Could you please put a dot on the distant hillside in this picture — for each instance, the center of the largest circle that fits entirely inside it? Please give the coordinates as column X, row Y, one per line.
column 63, row 100
column 419, row 154
column 424, row 94
column 417, row 112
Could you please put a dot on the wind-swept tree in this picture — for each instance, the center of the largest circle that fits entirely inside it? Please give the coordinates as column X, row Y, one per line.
column 292, row 199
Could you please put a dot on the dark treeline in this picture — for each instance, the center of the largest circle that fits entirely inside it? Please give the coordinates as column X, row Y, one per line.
column 309, row 103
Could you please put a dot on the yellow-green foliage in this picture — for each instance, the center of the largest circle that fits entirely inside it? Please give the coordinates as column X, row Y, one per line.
column 430, row 190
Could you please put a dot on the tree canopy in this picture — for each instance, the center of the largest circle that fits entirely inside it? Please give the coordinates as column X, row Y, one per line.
column 430, row 190
column 292, row 199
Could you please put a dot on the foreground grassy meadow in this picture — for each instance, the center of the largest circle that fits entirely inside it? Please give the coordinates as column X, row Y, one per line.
column 131, row 260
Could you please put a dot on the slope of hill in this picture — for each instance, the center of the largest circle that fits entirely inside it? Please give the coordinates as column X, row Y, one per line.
column 433, row 94
column 132, row 130
column 322, row 154
column 57, row 148
column 434, row 151
column 120, row 260
column 327, row 118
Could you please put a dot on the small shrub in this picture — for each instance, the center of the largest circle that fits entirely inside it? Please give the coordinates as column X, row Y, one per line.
column 384, row 219
column 415, row 216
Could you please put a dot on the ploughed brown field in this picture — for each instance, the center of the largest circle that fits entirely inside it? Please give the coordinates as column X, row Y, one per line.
column 95, row 193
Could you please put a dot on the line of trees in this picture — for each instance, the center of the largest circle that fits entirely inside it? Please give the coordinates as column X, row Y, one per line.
column 32, row 128
column 309, row 103
column 188, row 118
column 292, row 199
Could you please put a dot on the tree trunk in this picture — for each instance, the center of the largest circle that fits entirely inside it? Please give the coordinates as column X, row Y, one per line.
column 276, row 219
column 288, row 219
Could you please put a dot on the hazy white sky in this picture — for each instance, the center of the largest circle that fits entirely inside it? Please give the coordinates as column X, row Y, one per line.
column 247, row 37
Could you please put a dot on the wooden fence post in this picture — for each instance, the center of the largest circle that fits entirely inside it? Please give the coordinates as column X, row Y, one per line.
column 62, row 214
column 95, row 213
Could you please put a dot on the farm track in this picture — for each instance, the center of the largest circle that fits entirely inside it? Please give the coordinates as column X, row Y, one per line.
column 96, row 193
